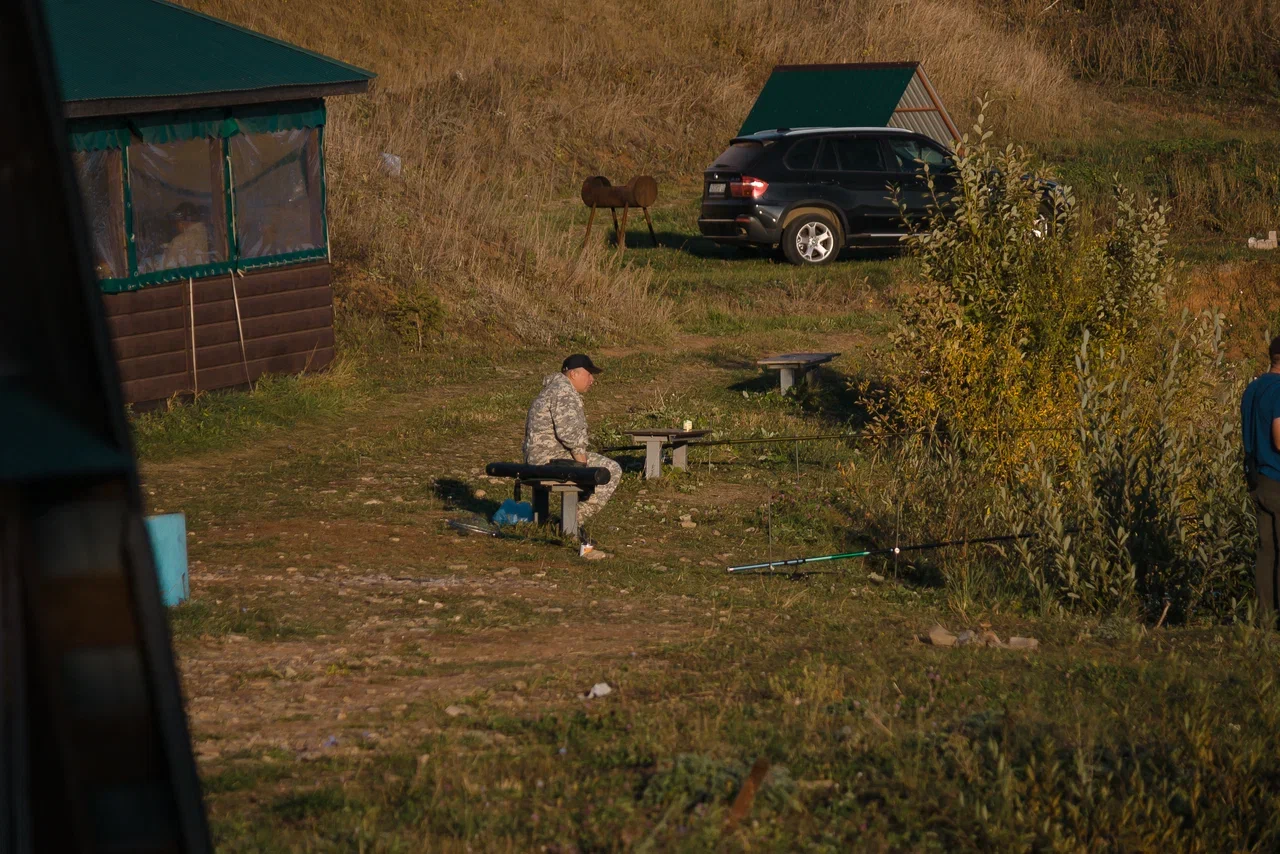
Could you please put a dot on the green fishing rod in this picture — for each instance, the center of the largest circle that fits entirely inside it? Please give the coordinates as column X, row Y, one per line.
column 893, row 550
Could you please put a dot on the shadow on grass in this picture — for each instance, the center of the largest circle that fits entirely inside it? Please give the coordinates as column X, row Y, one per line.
column 914, row 569
column 727, row 361
column 921, row 573
column 457, row 495
column 783, row 573
column 690, row 244
column 630, row 461
column 704, row 247
column 831, row 398
column 761, row 383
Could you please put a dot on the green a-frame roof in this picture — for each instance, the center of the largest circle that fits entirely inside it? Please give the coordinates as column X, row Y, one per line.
column 130, row 56
column 868, row 94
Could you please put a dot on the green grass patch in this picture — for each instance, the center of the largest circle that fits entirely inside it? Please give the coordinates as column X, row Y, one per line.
column 245, row 775
column 873, row 745
column 198, row 617
column 220, row 419
column 1220, row 190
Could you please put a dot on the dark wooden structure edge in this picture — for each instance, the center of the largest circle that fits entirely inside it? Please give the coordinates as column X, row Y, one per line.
column 285, row 314
column 95, row 754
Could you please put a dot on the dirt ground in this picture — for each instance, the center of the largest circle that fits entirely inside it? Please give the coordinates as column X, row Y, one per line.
column 361, row 677
column 333, row 599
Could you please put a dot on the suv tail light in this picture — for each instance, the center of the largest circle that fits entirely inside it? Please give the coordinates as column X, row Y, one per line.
column 748, row 188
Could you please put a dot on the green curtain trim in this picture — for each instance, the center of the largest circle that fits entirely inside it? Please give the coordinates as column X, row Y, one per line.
column 261, row 120
column 101, row 139
column 203, row 271
column 97, row 135
column 316, row 254
column 162, row 128
column 164, row 277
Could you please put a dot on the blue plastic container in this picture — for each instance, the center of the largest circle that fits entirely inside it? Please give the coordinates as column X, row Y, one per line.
column 513, row 512
column 168, row 534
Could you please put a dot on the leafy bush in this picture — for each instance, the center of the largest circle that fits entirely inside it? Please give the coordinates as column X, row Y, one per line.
column 1011, row 285
column 1058, row 400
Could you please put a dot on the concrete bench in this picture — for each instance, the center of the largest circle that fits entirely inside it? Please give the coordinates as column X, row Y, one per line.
column 654, row 440
column 569, row 479
column 793, row 367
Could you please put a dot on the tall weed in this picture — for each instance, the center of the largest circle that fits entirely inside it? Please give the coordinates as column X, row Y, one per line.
column 1150, row 513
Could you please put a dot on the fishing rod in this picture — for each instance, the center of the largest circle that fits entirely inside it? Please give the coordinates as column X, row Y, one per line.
column 761, row 441
column 825, row 436
column 892, row 550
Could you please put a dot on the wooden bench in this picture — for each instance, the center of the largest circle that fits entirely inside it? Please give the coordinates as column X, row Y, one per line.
column 654, row 440
column 569, row 479
column 793, row 367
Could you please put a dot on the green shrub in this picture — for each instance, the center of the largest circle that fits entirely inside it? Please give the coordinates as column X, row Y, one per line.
column 1011, row 283
column 1060, row 400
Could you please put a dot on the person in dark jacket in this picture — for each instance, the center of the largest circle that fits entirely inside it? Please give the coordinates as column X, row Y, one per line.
column 1260, row 426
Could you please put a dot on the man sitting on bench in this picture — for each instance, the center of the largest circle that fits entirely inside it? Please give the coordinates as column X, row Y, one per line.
column 556, row 429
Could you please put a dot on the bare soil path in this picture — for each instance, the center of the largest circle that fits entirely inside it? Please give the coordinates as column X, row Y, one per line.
column 329, row 598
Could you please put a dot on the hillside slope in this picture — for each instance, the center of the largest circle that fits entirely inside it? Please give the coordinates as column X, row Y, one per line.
column 499, row 109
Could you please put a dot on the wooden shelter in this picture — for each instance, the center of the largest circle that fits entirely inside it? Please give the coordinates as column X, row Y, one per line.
column 199, row 151
column 860, row 94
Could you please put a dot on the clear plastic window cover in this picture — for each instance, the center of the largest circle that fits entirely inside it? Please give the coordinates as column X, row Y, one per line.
column 279, row 206
column 179, row 213
column 102, row 190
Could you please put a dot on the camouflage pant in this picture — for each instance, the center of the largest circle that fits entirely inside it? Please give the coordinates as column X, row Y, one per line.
column 602, row 494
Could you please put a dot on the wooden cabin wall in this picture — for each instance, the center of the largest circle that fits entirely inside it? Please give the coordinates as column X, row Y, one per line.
column 287, row 314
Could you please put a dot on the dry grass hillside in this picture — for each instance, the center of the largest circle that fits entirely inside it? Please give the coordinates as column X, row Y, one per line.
column 1157, row 42
column 499, row 109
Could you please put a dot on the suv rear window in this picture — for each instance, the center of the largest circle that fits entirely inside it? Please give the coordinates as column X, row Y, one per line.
column 802, row 154
column 738, row 156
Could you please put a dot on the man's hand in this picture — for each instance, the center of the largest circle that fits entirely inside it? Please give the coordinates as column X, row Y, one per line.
column 582, row 458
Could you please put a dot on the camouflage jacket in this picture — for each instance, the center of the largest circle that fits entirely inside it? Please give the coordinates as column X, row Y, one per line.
column 556, row 427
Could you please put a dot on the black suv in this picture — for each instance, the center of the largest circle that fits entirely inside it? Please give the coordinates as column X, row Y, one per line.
column 814, row 191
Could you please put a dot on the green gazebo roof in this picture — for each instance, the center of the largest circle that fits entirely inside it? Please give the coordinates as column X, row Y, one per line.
column 128, row 56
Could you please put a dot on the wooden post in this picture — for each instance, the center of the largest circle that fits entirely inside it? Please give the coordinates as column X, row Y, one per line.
column 590, row 219
column 622, row 235
column 568, row 509
column 195, row 369
column 652, row 457
column 652, row 236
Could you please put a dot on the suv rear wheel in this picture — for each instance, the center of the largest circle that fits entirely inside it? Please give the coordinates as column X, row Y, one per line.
column 811, row 239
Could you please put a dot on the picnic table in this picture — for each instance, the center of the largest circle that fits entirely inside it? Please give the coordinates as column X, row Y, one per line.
column 654, row 440
column 793, row 367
